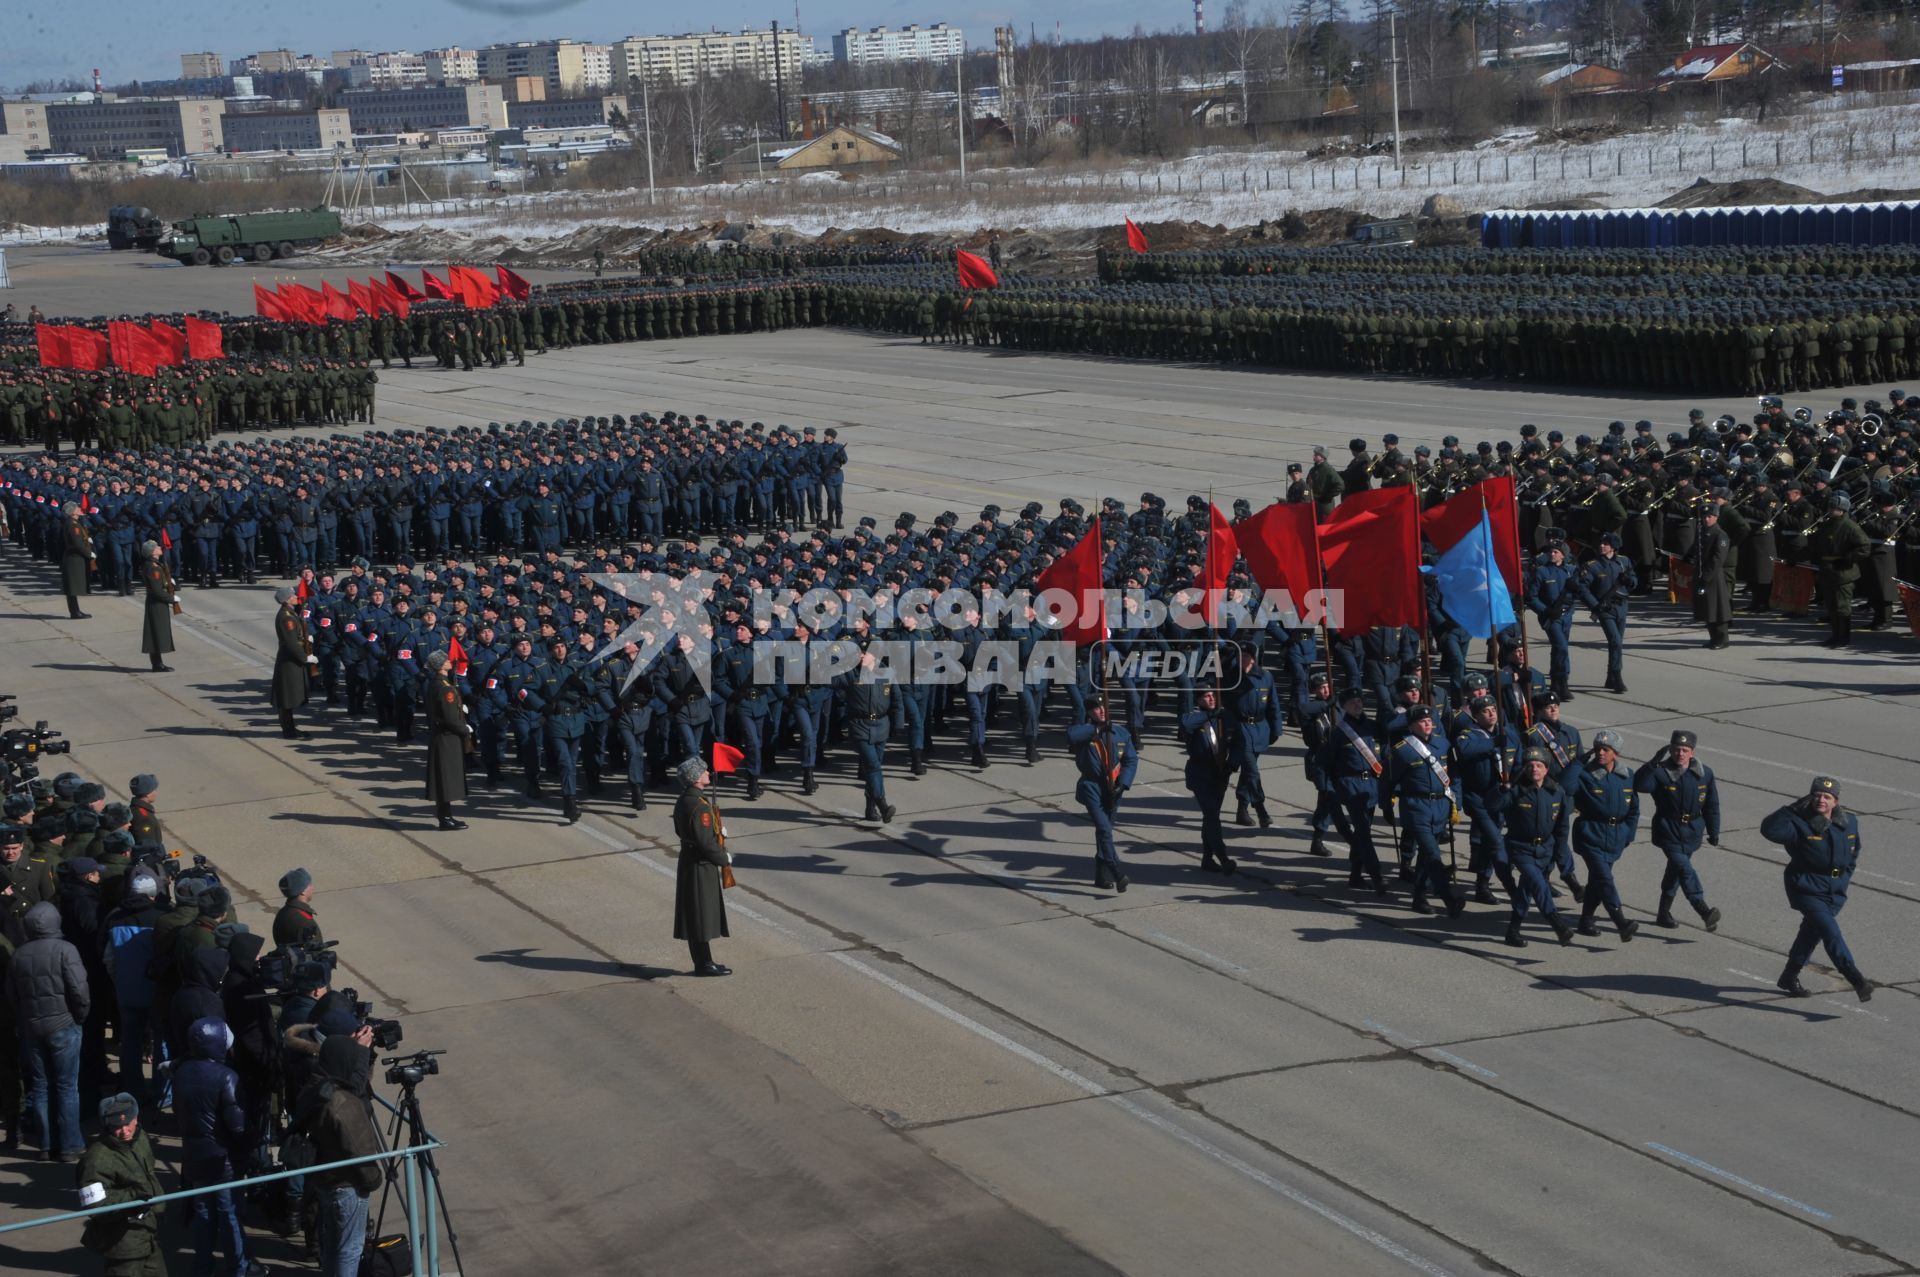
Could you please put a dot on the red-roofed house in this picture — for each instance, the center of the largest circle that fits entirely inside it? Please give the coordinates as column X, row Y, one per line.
column 1713, row 63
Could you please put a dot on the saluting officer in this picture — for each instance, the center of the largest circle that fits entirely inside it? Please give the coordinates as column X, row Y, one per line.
column 1686, row 806
column 1823, row 849
column 1606, row 818
column 1210, row 763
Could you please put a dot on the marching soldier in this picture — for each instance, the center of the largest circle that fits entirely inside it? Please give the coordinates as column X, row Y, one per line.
column 1533, row 808
column 1353, row 768
column 1605, row 584
column 1606, row 818
column 1551, row 595
column 1210, row 763
column 1560, row 741
column 1425, row 789
column 1823, row 850
column 1258, row 722
column 1686, row 807
column 1107, row 760
column 874, row 710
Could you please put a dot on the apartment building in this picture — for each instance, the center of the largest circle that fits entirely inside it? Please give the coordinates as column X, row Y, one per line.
column 912, row 43
column 682, row 59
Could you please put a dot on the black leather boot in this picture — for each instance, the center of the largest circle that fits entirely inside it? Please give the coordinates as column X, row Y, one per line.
column 1244, row 815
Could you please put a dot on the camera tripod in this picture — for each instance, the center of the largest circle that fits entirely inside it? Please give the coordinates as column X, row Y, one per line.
column 407, row 1117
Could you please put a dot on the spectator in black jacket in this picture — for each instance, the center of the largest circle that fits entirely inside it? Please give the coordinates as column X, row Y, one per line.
column 82, row 923
column 198, row 997
column 47, row 990
column 213, row 1132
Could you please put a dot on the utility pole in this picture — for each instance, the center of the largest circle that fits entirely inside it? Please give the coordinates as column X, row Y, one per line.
column 960, row 113
column 779, row 81
column 646, row 119
column 1393, row 69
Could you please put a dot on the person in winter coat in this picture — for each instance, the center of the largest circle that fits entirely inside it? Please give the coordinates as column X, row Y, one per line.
column 1823, row 850
column 126, row 953
column 47, row 991
column 336, row 1110
column 699, row 911
column 197, row 998
column 81, row 916
column 118, row 1167
column 213, row 1144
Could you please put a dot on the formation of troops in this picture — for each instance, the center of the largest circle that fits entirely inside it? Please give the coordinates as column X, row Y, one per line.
column 452, row 584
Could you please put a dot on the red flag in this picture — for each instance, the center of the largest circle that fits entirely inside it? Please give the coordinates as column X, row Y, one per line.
column 406, row 291
column 478, row 291
column 974, row 271
column 205, row 340
column 52, row 341
column 338, row 305
column 303, row 591
column 134, row 348
column 1222, row 549
column 726, row 758
column 1371, row 546
column 88, row 349
column 305, row 304
column 1077, row 574
column 457, row 655
column 435, row 288
column 362, row 300
column 1136, row 238
column 512, row 285
column 172, row 341
column 390, row 297
column 166, row 542
column 86, row 504
column 268, row 305
column 1455, row 517
column 1281, row 545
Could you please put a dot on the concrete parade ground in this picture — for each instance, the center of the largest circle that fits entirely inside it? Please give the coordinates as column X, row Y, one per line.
column 942, row 1050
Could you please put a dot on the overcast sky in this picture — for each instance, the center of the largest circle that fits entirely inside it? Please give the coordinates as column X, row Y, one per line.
column 50, row 40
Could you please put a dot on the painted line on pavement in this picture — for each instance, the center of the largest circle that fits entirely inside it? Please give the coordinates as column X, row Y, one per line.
column 1711, row 1169
column 1211, row 959
column 1459, row 1063
column 1141, row 1113
column 1868, row 873
column 1848, row 1006
column 1748, row 975
column 1393, row 1036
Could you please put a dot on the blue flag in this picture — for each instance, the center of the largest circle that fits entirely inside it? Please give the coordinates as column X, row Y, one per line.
column 1471, row 587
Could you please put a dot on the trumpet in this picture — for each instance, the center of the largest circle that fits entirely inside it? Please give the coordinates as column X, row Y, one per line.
column 1871, row 425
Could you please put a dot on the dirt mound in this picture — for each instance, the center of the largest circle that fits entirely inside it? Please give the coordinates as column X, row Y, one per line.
column 1750, row 191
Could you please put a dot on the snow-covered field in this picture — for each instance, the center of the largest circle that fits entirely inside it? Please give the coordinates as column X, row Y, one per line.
column 1830, row 145
column 1828, row 151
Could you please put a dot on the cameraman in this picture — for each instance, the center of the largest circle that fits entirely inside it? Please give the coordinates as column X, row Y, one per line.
column 336, row 1110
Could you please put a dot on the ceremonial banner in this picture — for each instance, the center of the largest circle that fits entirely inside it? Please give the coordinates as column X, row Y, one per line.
column 512, row 285
column 974, row 270
column 1136, row 238
column 1077, row 573
column 52, row 342
column 1793, row 588
column 205, row 340
column 171, row 339
column 1680, row 580
column 1910, row 603
column 1371, row 548
column 1281, row 545
column 1222, row 551
column 407, row 291
column 1454, row 518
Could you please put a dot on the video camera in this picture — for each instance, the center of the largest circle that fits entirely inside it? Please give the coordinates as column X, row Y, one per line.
column 277, row 969
column 411, row 1070
column 387, row 1034
column 21, row 748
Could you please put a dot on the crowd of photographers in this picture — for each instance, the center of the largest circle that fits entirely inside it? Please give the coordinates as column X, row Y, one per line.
column 138, row 998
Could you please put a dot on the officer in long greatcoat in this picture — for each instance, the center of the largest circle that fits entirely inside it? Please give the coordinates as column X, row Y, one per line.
column 293, row 658
column 449, row 741
column 699, row 910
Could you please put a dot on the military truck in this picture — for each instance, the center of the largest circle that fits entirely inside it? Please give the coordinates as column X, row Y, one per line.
column 1394, row 234
column 131, row 226
column 259, row 237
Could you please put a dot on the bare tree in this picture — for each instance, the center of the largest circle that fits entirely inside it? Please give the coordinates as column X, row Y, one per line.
column 1246, row 40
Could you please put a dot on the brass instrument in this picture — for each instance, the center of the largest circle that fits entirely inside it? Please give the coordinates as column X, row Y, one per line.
column 1871, row 425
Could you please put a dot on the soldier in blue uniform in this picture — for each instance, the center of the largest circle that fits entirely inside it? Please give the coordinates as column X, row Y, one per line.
column 524, row 677
column 1560, row 741
column 1823, row 850
column 1211, row 759
column 1482, row 757
column 1353, row 768
column 749, row 702
column 1532, row 808
column 562, row 689
column 1258, row 720
column 874, row 711
column 1551, row 596
column 486, row 689
column 1605, row 584
column 808, row 706
column 1606, row 818
column 833, row 463
column 1314, row 710
column 1426, row 792
column 1105, row 755
column 402, row 668
column 1686, row 807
